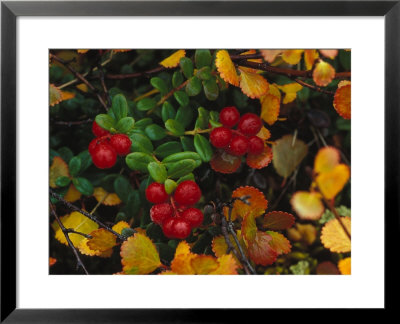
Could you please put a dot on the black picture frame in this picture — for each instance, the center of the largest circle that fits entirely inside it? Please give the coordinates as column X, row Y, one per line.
column 9, row 13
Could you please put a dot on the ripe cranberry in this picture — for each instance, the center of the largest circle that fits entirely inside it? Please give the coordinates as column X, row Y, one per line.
column 167, row 227
column 104, row 156
column 256, row 145
column 194, row 216
column 98, row 131
column 176, row 227
column 121, row 143
column 96, row 141
column 160, row 212
column 229, row 116
column 187, row 193
column 156, row 194
column 238, row 145
column 250, row 124
column 220, row 137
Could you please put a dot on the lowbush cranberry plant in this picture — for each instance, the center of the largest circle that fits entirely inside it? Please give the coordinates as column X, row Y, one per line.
column 200, row 161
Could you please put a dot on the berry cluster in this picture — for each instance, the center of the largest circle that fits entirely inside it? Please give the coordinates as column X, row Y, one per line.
column 177, row 217
column 241, row 141
column 105, row 147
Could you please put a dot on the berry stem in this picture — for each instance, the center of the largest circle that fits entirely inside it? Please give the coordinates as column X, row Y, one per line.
column 198, row 131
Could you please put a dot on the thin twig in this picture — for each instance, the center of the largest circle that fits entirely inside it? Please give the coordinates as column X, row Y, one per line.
column 73, row 123
column 312, row 87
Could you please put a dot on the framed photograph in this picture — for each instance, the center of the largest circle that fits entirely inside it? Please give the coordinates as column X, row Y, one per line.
column 191, row 154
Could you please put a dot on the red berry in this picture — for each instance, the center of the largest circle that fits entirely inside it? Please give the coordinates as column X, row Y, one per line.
column 256, row 145
column 238, row 146
column 250, row 124
column 104, row 156
column 176, row 228
column 96, row 141
column 194, row 216
column 220, row 137
column 167, row 227
column 155, row 193
column 160, row 212
column 229, row 116
column 98, row 131
column 187, row 193
column 121, row 143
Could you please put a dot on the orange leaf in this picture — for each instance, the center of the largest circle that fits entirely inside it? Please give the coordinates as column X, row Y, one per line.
column 279, row 243
column 342, row 99
column 259, row 161
column 260, row 250
column 345, row 266
column 329, row 53
column 307, row 205
column 257, row 201
column 86, row 250
column 323, row 73
column 52, row 261
column 102, row 240
column 309, row 58
column 252, row 84
column 264, row 133
column 226, row 266
column 270, row 55
column 82, row 51
column 332, row 182
column 72, row 194
column 110, row 199
column 270, row 106
column 226, row 68
column 139, row 255
column 204, row 264
column 225, row 163
column 292, row 56
column 334, row 238
column 326, row 159
column 58, row 169
column 278, row 220
column 182, row 262
column 120, row 226
column 173, row 60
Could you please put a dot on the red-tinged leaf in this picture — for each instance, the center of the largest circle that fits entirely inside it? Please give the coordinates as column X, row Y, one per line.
column 342, row 99
column 249, row 228
column 225, row 163
column 260, row 250
column 279, row 243
column 259, row 161
column 327, row 268
column 278, row 220
column 257, row 202
column 329, row 53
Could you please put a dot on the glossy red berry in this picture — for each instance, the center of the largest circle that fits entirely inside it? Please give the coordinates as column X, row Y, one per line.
column 98, row 131
column 104, row 156
column 96, row 141
column 194, row 216
column 249, row 124
column 187, row 193
column 176, row 227
column 121, row 143
column 238, row 145
column 156, row 194
column 220, row 137
column 256, row 145
column 167, row 227
column 229, row 116
column 160, row 212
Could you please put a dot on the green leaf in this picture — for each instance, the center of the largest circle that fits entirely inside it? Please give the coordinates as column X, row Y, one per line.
column 155, row 132
column 170, row 186
column 181, row 168
column 211, row 89
column 189, row 176
column 182, row 98
column 203, row 119
column 182, row 156
column 202, row 57
column 184, row 116
column 141, row 143
column 62, row 181
column 125, row 124
column 105, row 121
column 83, row 185
column 65, row 153
column 159, row 84
column 187, row 67
column 167, row 111
column 177, row 79
column 142, row 123
column 74, row 165
column 187, row 143
column 203, row 147
column 122, row 188
column 204, row 73
column 175, row 127
column 86, row 160
column 146, row 104
column 139, row 161
column 193, row 87
column 167, row 149
column 301, row 268
column 157, row 171
column 119, row 107
column 127, row 232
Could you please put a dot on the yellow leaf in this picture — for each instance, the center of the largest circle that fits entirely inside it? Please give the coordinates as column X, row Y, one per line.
column 332, row 182
column 323, row 73
column 111, row 198
column 326, row 159
column 121, row 50
column 329, row 53
column 253, row 85
column 344, row 266
column 86, row 250
column 102, row 240
column 76, row 221
column 182, row 262
column 220, row 247
column 83, row 87
column 72, row 194
column 342, row 99
column 56, row 95
column 173, row 60
column 307, row 205
column 290, row 91
column 292, row 56
column 270, row 105
column 306, row 233
column 227, row 266
column 226, row 68
column 309, row 58
column 82, row 51
column 270, row 55
column 120, row 226
column 264, row 133
column 57, row 169
column 139, row 255
column 204, row 264
column 334, row 238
